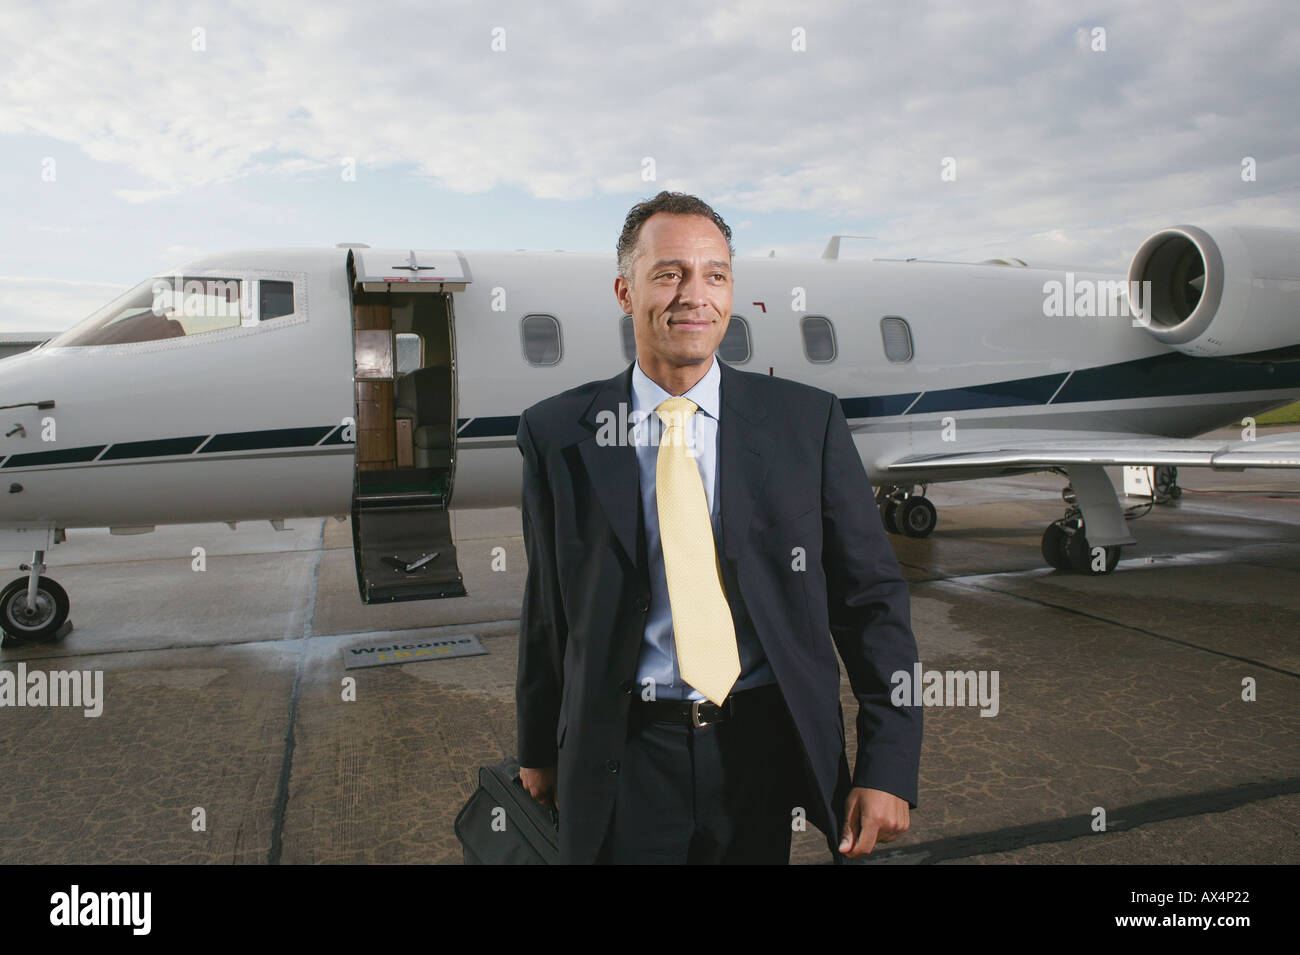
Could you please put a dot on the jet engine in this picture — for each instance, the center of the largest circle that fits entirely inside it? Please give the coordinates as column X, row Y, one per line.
column 1227, row 291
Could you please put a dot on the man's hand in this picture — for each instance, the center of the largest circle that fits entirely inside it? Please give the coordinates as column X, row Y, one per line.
column 540, row 783
column 871, row 816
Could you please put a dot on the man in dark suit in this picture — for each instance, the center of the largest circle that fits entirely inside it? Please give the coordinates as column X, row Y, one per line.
column 689, row 579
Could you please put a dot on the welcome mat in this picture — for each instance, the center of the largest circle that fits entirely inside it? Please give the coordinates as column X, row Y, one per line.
column 410, row 650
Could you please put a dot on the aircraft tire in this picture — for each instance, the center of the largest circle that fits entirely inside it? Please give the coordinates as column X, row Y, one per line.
column 917, row 517
column 1054, row 543
column 1079, row 552
column 52, row 609
column 889, row 515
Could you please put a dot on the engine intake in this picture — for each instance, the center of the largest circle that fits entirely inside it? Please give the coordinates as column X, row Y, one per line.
column 1233, row 292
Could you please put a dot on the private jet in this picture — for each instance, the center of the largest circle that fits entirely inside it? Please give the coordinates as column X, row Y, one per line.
column 387, row 384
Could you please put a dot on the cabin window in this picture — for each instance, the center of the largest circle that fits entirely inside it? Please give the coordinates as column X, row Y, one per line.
column 275, row 299
column 897, row 337
column 629, row 338
column 818, row 338
column 541, row 339
column 735, row 348
column 410, row 352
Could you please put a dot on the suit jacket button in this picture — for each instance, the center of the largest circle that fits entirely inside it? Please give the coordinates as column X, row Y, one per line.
column 642, row 605
column 612, row 766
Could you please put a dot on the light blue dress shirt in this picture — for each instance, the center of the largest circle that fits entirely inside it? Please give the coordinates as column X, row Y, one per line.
column 658, row 660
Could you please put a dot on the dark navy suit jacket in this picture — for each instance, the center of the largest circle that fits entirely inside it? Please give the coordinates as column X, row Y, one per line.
column 790, row 478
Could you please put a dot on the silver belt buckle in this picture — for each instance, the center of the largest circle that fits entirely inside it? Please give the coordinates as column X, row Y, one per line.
column 695, row 714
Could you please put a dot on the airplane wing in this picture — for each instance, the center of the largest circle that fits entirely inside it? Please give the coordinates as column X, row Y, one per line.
column 1273, row 451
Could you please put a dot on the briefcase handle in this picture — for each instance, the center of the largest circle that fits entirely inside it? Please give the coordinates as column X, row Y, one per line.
column 555, row 812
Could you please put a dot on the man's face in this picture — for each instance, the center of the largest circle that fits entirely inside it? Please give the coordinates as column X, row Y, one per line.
column 680, row 296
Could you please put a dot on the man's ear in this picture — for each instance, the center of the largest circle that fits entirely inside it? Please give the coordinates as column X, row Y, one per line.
column 623, row 292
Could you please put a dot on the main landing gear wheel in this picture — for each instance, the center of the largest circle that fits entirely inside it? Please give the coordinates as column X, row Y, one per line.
column 889, row 515
column 38, row 621
column 1054, row 542
column 1066, row 547
column 917, row 517
column 904, row 509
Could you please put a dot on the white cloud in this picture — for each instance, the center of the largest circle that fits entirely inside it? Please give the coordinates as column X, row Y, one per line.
column 1047, row 134
column 146, row 195
column 50, row 304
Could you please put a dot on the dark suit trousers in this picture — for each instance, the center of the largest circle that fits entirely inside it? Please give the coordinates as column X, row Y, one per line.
column 722, row 793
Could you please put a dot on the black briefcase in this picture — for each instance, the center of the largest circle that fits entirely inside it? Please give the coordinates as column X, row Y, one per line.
column 502, row 825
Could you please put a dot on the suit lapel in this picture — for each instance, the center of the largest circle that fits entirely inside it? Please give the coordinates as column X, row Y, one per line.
column 744, row 455
column 611, row 464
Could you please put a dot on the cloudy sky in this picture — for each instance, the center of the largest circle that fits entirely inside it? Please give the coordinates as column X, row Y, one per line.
column 134, row 136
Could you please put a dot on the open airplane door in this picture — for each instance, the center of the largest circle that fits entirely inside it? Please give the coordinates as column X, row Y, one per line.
column 405, row 377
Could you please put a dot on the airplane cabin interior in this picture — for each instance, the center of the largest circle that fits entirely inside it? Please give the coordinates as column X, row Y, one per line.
column 405, row 379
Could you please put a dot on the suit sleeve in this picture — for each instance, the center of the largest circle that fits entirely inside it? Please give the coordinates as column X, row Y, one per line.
column 870, row 616
column 541, row 620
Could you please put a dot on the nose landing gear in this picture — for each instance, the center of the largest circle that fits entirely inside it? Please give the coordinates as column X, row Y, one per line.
column 33, row 607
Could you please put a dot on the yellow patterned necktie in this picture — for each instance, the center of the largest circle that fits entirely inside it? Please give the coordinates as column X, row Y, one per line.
column 702, row 628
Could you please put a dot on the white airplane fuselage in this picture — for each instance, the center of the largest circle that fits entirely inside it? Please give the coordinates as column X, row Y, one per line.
column 251, row 422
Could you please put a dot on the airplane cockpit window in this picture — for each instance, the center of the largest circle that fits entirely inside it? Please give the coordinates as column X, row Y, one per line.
column 275, row 299
column 160, row 308
column 818, row 338
column 541, row 339
column 735, row 349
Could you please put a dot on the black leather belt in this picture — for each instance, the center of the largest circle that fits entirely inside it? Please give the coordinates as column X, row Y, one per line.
column 704, row 712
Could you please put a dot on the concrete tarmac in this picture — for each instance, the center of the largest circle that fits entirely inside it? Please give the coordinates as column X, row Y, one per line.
column 224, row 692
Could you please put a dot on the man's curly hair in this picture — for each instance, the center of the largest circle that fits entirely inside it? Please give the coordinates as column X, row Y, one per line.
column 677, row 203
